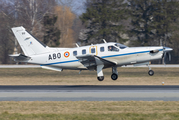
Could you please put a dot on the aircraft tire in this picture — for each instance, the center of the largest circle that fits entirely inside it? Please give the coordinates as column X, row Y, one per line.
column 100, row 78
column 151, row 72
column 114, row 76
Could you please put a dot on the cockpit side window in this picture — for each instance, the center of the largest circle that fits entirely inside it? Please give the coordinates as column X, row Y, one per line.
column 120, row 46
column 74, row 53
column 112, row 48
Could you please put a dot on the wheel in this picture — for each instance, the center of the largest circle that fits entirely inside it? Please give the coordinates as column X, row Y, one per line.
column 151, row 72
column 114, row 76
column 101, row 78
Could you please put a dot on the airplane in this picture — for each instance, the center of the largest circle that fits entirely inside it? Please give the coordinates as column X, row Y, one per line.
column 92, row 57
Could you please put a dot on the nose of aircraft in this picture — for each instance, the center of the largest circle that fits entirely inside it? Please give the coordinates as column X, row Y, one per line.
column 167, row 49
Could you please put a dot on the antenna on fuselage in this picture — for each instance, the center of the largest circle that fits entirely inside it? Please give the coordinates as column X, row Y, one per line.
column 77, row 45
column 104, row 41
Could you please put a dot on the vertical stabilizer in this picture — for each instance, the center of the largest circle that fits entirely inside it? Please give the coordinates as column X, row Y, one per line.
column 29, row 44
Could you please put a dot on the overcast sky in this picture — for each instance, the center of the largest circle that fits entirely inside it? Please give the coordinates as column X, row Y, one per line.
column 77, row 6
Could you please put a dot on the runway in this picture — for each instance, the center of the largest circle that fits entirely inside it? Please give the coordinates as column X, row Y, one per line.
column 89, row 93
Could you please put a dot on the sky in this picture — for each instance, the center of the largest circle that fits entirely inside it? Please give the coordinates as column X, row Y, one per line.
column 77, row 6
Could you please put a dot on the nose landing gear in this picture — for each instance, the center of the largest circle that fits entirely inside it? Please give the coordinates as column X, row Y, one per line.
column 151, row 72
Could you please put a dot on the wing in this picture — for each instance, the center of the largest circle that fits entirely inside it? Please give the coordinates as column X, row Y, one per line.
column 91, row 61
column 20, row 57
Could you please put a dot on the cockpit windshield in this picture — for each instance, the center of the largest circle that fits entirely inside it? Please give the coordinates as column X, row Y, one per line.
column 121, row 46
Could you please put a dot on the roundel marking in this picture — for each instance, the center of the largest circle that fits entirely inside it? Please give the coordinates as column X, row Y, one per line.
column 66, row 54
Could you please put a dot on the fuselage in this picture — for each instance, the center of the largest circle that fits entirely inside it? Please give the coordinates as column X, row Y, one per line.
column 93, row 57
column 65, row 58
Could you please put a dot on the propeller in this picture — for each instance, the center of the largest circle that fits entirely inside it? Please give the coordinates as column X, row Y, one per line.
column 166, row 54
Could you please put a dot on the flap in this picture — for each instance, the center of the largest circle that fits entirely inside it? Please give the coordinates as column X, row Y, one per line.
column 91, row 61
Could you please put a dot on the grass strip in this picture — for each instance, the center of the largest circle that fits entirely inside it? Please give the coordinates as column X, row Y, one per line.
column 127, row 76
column 119, row 116
column 90, row 110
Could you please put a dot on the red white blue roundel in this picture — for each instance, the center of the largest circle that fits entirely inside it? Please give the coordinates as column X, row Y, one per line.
column 66, row 54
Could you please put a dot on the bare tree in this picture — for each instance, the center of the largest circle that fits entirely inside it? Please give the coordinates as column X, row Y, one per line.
column 27, row 13
column 32, row 14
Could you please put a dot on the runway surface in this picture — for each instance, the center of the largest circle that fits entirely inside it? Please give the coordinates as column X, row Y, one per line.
column 89, row 93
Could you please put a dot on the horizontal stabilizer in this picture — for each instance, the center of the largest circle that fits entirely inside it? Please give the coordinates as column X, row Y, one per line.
column 20, row 57
column 52, row 68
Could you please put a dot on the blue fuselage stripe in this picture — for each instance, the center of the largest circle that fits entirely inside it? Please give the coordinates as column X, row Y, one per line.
column 60, row 62
column 101, row 57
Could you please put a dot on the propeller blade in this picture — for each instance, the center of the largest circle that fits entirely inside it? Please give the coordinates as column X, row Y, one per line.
column 169, row 56
column 165, row 54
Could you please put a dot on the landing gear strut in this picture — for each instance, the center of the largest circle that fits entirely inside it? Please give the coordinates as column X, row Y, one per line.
column 100, row 72
column 114, row 75
column 151, row 72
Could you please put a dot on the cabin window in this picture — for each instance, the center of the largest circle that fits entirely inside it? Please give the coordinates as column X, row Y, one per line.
column 74, row 53
column 102, row 49
column 93, row 50
column 83, row 52
column 112, row 48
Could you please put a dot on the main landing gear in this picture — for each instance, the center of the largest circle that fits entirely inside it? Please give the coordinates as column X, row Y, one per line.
column 114, row 75
column 100, row 72
column 100, row 78
column 151, row 72
column 100, row 75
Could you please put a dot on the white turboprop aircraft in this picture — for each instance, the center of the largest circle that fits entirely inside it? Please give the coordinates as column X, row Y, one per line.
column 92, row 57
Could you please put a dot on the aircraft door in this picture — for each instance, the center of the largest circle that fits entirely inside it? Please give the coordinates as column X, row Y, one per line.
column 93, row 50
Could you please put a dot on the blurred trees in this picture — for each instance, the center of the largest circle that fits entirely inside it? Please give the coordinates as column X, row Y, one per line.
column 6, row 39
column 149, row 22
column 141, row 13
column 51, row 32
column 103, row 20
column 27, row 13
column 154, row 22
